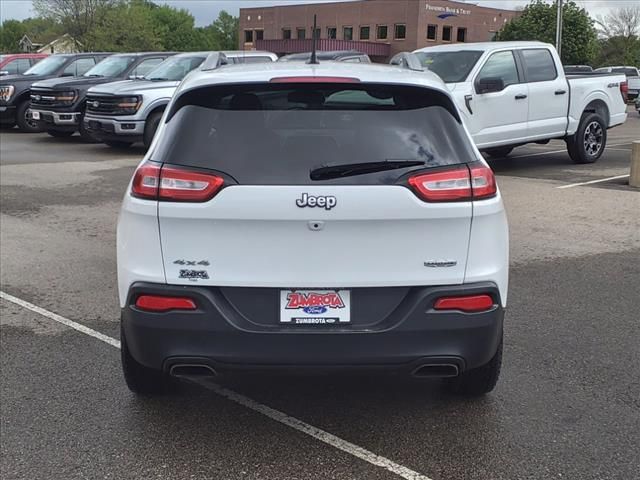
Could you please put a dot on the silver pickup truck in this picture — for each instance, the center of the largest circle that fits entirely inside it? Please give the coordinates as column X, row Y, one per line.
column 122, row 113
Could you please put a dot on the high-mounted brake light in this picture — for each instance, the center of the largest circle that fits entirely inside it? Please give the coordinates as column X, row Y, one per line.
column 154, row 182
column 459, row 183
column 160, row 303
column 470, row 303
column 315, row 80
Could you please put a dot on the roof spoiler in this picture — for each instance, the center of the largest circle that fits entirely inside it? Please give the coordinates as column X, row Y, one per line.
column 214, row 60
column 407, row 60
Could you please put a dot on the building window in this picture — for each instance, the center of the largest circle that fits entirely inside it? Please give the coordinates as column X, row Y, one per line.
column 301, row 33
column 462, row 34
column 446, row 33
column 332, row 33
column 317, row 34
column 248, row 36
column 365, row 33
column 347, row 33
column 259, row 35
column 400, row 31
column 383, row 31
column 286, row 34
column 432, row 32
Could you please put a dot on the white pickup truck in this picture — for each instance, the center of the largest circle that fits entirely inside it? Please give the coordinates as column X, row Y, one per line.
column 513, row 93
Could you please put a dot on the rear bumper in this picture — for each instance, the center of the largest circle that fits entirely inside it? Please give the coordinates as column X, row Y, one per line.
column 216, row 334
column 7, row 114
column 113, row 129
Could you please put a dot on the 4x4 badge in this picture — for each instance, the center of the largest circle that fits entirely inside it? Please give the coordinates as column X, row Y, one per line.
column 322, row 201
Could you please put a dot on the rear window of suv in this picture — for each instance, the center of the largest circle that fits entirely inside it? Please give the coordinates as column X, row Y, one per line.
column 277, row 134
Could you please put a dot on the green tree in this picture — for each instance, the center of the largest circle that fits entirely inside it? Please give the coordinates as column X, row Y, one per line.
column 224, row 32
column 621, row 32
column 538, row 22
column 126, row 28
column 78, row 17
column 176, row 28
column 11, row 31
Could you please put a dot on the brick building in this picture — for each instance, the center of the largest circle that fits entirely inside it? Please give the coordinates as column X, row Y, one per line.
column 380, row 28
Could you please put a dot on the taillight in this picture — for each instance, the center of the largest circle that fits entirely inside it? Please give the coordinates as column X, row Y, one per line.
column 180, row 185
column 624, row 90
column 470, row 303
column 456, row 184
column 174, row 184
column 146, row 181
column 160, row 303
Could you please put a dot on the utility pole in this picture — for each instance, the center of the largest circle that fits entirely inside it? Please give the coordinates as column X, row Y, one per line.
column 559, row 29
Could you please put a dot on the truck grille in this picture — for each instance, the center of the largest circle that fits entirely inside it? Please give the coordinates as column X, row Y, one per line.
column 106, row 105
column 43, row 98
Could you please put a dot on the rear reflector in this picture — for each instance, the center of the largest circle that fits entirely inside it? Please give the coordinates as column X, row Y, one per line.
column 473, row 303
column 459, row 183
column 154, row 182
column 157, row 303
column 315, row 80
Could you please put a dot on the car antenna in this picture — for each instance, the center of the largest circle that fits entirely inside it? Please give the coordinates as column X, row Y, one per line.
column 314, row 58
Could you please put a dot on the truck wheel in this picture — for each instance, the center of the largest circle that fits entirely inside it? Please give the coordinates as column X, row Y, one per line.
column 26, row 124
column 117, row 144
column 59, row 134
column 589, row 141
column 150, row 128
column 140, row 379
column 499, row 152
column 477, row 381
column 7, row 126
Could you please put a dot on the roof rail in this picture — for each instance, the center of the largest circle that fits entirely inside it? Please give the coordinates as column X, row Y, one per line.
column 407, row 60
column 214, row 60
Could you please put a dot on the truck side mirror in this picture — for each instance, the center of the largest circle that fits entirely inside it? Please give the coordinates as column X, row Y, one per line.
column 489, row 85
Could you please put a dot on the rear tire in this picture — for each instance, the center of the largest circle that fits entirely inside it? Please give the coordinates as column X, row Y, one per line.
column 150, row 127
column 118, row 144
column 499, row 152
column 588, row 143
column 477, row 381
column 59, row 134
column 26, row 124
column 141, row 380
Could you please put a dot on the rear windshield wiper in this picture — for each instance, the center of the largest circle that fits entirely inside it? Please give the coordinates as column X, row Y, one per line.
column 349, row 170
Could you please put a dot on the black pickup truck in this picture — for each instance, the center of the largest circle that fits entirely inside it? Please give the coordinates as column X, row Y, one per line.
column 15, row 89
column 58, row 104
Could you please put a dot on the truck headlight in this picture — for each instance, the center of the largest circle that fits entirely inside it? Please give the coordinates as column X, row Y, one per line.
column 65, row 98
column 6, row 92
column 128, row 105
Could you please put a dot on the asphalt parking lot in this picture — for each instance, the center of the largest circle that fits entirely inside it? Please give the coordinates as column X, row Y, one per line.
column 567, row 405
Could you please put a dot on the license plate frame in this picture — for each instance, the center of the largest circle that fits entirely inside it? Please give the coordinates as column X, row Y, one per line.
column 315, row 307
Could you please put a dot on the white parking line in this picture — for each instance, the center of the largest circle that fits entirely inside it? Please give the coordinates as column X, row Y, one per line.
column 563, row 150
column 591, row 182
column 278, row 416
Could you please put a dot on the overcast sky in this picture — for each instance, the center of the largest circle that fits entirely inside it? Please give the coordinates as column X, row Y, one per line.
column 205, row 11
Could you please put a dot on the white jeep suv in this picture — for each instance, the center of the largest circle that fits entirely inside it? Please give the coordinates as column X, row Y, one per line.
column 295, row 216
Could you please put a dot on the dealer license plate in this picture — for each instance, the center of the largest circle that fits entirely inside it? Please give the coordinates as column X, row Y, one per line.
column 315, row 307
